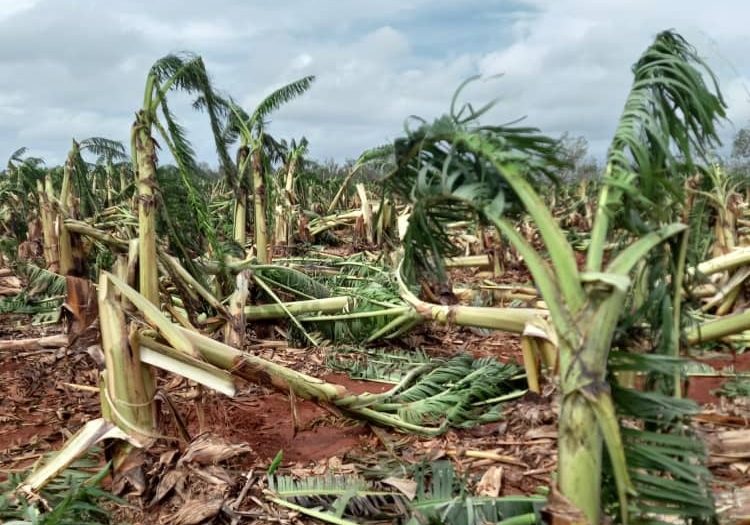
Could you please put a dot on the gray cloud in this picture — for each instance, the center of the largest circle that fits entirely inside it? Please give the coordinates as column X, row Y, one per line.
column 76, row 68
column 569, row 65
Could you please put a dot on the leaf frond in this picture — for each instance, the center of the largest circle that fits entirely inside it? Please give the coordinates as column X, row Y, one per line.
column 279, row 97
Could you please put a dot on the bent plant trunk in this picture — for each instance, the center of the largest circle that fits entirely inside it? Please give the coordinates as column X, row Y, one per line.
column 342, row 189
column 240, row 199
column 145, row 154
column 286, row 220
column 259, row 206
column 66, row 248
column 234, row 330
column 584, row 308
column 122, row 172
column 51, row 245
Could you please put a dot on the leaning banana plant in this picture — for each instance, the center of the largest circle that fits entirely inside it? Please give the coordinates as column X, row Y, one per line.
column 75, row 184
column 454, row 169
column 19, row 195
column 253, row 160
column 186, row 73
column 287, row 209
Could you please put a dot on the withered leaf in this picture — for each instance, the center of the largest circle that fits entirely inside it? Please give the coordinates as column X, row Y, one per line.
column 193, row 512
column 206, row 450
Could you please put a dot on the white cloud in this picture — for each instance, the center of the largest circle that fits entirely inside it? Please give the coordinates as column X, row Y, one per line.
column 69, row 68
column 10, row 8
column 569, row 65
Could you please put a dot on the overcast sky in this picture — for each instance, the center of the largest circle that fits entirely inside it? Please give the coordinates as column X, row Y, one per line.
column 76, row 68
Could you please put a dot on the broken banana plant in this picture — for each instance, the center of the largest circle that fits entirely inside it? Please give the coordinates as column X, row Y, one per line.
column 252, row 160
column 186, row 73
column 425, row 401
column 455, row 169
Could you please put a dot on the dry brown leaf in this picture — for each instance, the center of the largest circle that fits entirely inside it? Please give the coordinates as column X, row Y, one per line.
column 166, row 458
column 731, row 441
column 491, row 482
column 12, row 282
column 166, row 484
column 334, row 464
column 130, row 474
column 193, row 512
column 97, row 354
column 733, row 506
column 206, row 450
column 560, row 511
column 300, row 472
column 546, row 432
column 407, row 487
column 214, row 474
column 80, row 303
column 722, row 419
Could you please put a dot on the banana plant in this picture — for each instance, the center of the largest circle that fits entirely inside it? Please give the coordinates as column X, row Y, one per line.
column 287, row 210
column 18, row 192
column 380, row 156
column 186, row 73
column 254, row 154
column 454, row 169
column 111, row 170
column 76, row 183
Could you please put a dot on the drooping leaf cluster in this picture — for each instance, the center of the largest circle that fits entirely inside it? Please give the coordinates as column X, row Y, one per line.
column 186, row 73
column 444, row 181
column 667, row 128
column 666, row 458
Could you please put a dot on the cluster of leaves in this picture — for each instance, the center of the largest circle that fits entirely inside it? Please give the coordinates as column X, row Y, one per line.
column 320, row 182
column 735, row 387
column 667, row 127
column 441, row 498
column 371, row 287
column 445, row 181
column 341, row 496
column 459, row 391
column 44, row 291
column 178, row 222
column 376, row 364
column 18, row 195
column 73, row 498
column 666, row 459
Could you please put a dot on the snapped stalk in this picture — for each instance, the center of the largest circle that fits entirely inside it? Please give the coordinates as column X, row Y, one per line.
column 279, row 311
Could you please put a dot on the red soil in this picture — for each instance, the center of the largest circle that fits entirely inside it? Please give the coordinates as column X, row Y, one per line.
column 703, row 389
column 267, row 424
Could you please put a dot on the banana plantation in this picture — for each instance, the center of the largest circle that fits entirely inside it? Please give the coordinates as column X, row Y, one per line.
column 458, row 327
